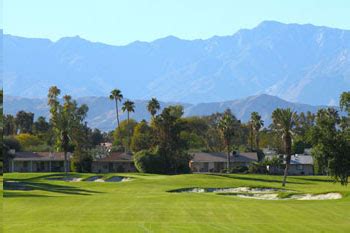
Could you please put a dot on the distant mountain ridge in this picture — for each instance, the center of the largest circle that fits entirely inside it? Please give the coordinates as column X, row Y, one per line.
column 102, row 110
column 299, row 63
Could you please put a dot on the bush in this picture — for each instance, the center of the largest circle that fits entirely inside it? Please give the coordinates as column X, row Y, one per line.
column 147, row 161
column 236, row 169
column 28, row 140
column 81, row 164
column 257, row 168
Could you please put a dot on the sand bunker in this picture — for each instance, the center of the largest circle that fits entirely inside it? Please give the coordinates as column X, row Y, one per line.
column 68, row 179
column 261, row 193
column 230, row 190
column 118, row 179
column 274, row 196
column 93, row 178
column 326, row 196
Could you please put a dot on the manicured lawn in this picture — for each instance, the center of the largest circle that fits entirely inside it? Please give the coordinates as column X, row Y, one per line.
column 144, row 205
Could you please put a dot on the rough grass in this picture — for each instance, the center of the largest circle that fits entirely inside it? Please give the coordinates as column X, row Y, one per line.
column 145, row 205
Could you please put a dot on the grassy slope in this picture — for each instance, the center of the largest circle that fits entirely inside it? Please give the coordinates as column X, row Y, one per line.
column 143, row 205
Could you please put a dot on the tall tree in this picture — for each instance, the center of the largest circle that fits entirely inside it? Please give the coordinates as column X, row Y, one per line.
column 24, row 121
column 171, row 147
column 153, row 106
column 67, row 121
column 257, row 124
column 9, row 124
column 345, row 102
column 41, row 125
column 284, row 121
column 117, row 96
column 128, row 107
column 227, row 126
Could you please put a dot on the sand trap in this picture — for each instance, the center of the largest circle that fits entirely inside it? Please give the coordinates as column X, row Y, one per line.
column 93, row 178
column 302, row 197
column 261, row 193
column 326, row 196
column 69, row 179
column 260, row 196
column 76, row 179
column 118, row 179
column 230, row 190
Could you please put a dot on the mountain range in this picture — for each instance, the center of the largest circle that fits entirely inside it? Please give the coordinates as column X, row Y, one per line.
column 299, row 63
column 102, row 114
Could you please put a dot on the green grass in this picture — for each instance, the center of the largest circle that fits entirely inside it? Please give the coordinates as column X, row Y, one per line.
column 144, row 205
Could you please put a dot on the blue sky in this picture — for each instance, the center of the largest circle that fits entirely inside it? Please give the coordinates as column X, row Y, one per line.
column 123, row 21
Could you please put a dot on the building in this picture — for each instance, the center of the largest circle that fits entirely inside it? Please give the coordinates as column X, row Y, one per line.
column 115, row 162
column 38, row 162
column 216, row 162
column 299, row 165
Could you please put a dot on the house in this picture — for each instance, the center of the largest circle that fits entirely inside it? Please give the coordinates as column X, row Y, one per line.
column 114, row 162
column 216, row 162
column 300, row 164
column 38, row 162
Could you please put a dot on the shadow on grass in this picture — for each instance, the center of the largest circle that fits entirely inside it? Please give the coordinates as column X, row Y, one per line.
column 237, row 177
column 314, row 179
column 13, row 194
column 53, row 176
column 20, row 185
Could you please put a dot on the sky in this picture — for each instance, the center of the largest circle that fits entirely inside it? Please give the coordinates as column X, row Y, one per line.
column 120, row 22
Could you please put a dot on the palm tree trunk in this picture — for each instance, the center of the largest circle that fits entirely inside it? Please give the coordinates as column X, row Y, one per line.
column 288, row 150
column 128, row 133
column 251, row 137
column 228, row 159
column 65, row 163
column 286, row 171
column 116, row 108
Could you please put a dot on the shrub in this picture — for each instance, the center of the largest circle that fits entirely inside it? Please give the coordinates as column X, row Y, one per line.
column 28, row 140
column 236, row 169
column 257, row 168
column 147, row 161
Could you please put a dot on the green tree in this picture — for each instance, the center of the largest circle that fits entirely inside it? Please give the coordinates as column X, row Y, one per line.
column 331, row 145
column 153, row 106
column 67, row 121
column 121, row 134
column 9, row 125
column 257, row 123
column 227, row 126
column 142, row 138
column 171, row 147
column 117, row 96
column 345, row 102
column 128, row 107
column 24, row 121
column 284, row 122
column 41, row 125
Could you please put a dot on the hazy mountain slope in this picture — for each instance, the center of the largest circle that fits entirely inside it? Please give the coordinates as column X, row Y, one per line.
column 300, row 63
column 102, row 114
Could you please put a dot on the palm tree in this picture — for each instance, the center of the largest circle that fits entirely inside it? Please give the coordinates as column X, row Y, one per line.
column 227, row 127
column 117, row 96
column 153, row 106
column 284, row 122
column 256, row 125
column 128, row 107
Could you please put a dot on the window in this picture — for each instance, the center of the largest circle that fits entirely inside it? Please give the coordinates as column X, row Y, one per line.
column 299, row 167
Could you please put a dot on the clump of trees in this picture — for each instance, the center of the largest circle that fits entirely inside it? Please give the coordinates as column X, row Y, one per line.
column 164, row 145
column 65, row 131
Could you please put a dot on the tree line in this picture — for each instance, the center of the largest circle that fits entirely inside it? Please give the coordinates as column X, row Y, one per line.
column 164, row 144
